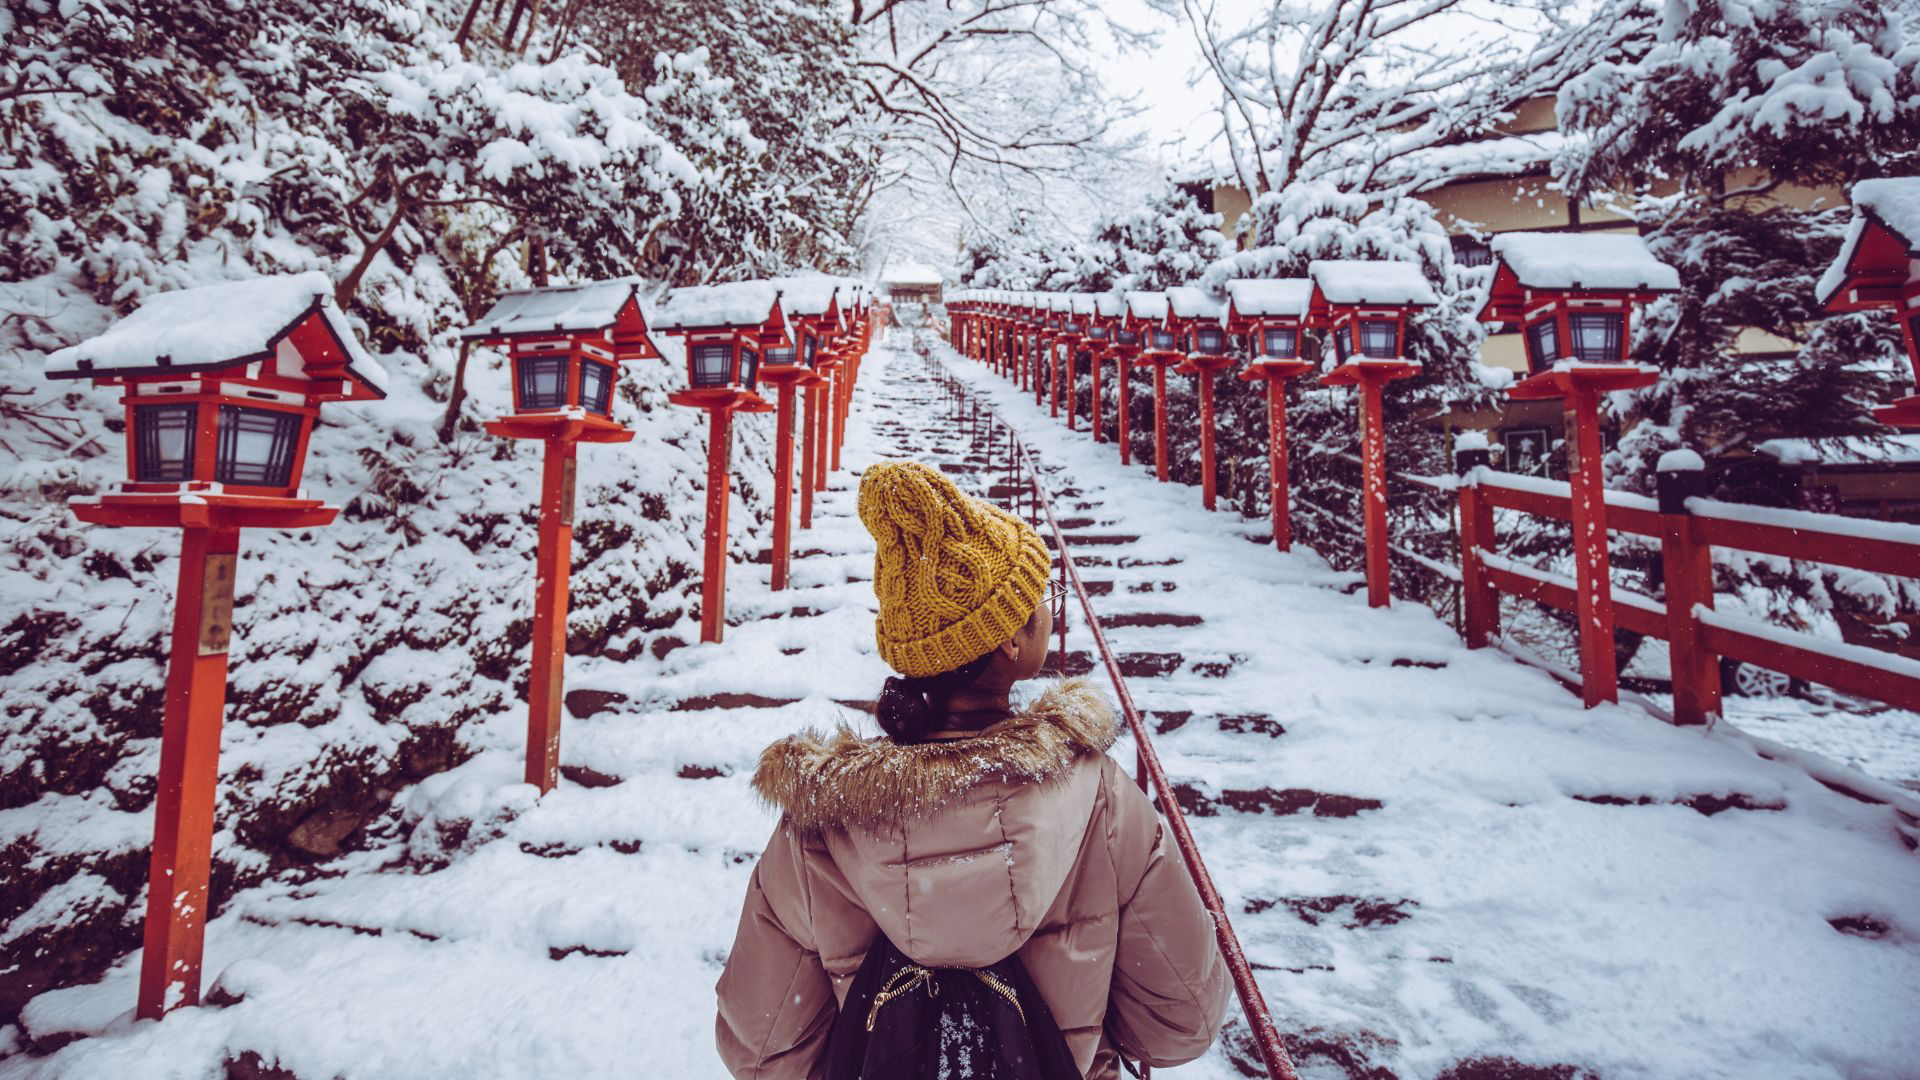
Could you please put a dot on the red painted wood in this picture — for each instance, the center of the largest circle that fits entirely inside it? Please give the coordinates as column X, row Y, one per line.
column 713, row 585
column 1843, row 675
column 1160, row 422
column 1373, row 492
column 783, row 476
column 553, row 566
column 1599, row 674
column 1064, row 384
column 1208, row 480
column 183, row 806
column 1838, row 549
column 1687, row 570
column 809, row 402
column 1480, row 601
column 1277, row 493
column 1096, row 357
column 1124, row 422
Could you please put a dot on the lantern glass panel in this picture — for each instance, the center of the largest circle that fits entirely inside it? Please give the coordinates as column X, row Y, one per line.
column 1596, row 337
column 596, row 386
column 1282, row 341
column 256, row 446
column 1163, row 339
column 783, row 357
column 1209, row 339
column 1379, row 338
column 1127, row 337
column 712, row 365
column 749, row 368
column 543, row 381
column 1543, row 344
column 163, row 442
column 1341, row 345
column 1097, row 333
column 811, row 350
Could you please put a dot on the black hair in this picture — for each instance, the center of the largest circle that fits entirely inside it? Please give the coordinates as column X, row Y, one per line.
column 912, row 706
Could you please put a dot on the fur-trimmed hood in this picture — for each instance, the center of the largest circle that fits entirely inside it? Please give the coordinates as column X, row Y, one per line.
column 823, row 780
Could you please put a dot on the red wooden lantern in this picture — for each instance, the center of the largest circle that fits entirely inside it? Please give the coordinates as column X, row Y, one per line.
column 1108, row 311
column 1075, row 311
column 1273, row 315
column 1159, row 350
column 1879, row 268
column 1365, row 304
column 1199, row 322
column 725, row 331
column 813, row 305
column 564, row 344
column 221, row 387
column 1573, row 295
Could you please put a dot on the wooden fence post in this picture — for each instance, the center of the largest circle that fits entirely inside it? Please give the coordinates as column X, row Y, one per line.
column 1687, row 568
column 1479, row 600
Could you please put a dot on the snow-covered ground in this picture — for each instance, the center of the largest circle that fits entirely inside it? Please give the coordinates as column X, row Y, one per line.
column 1433, row 855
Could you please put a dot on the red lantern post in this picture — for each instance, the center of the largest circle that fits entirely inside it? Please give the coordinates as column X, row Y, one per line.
column 1073, row 311
column 1108, row 312
column 1199, row 321
column 1878, row 268
column 222, row 385
column 725, row 330
column 1273, row 316
column 1160, row 350
column 1365, row 304
column 1573, row 296
column 813, row 305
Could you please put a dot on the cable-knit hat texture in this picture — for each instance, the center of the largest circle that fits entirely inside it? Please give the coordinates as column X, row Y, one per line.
column 956, row 576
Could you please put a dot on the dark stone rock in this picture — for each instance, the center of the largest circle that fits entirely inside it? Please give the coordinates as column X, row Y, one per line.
column 588, row 778
column 1506, row 1068
column 584, row 703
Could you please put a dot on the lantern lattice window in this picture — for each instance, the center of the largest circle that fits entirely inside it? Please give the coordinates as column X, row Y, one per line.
column 1596, row 337
column 256, row 446
column 596, row 386
column 1163, row 339
column 1282, row 341
column 163, row 442
column 1209, row 339
column 1379, row 338
column 712, row 365
column 1543, row 344
column 749, row 367
column 543, row 381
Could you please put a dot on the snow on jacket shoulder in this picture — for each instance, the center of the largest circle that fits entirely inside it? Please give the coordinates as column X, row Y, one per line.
column 1026, row 838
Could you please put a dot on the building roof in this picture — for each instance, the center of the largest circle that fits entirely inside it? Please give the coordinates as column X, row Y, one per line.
column 1597, row 261
column 213, row 326
column 1281, row 297
column 1371, row 281
column 913, row 274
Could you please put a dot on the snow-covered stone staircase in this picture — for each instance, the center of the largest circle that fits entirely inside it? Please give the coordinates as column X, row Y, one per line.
column 1439, row 864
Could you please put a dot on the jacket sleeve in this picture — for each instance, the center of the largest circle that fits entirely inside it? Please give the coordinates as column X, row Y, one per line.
column 1170, row 983
column 777, row 1005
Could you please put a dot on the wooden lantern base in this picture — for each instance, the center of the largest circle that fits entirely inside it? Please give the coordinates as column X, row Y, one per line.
column 202, row 510
column 1904, row 413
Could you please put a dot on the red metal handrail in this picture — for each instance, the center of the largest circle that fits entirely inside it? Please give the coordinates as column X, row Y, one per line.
column 1252, row 1004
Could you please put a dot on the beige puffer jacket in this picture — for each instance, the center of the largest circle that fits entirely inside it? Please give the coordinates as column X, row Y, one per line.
column 1026, row 838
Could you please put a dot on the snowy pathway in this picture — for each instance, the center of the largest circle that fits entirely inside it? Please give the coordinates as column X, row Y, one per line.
column 1438, row 856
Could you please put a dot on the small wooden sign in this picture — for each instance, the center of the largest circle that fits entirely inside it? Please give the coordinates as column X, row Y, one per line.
column 566, row 491
column 216, row 604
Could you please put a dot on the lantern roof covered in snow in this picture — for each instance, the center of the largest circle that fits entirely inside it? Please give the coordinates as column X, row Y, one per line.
column 1081, row 303
column 1881, row 252
column 1109, row 305
column 1193, row 302
column 1367, row 283
column 739, row 305
column 289, row 318
column 1146, row 306
column 1586, row 262
column 1283, row 298
column 610, row 307
column 815, row 296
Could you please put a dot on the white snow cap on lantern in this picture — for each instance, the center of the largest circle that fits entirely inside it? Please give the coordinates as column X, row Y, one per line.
column 1109, row 305
column 215, row 325
column 1895, row 203
column 1082, row 303
column 563, row 308
column 810, row 295
column 1151, row 306
column 1583, row 261
column 1371, row 281
column 1284, row 297
column 1193, row 302
column 1681, row 460
column 739, row 303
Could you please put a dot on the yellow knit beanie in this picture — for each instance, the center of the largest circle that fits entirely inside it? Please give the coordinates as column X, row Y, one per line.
column 956, row 576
